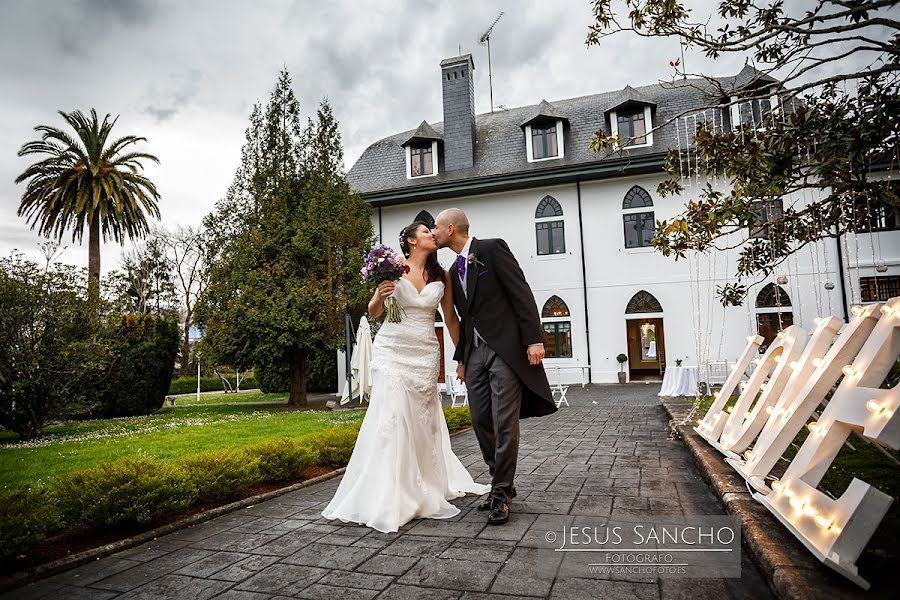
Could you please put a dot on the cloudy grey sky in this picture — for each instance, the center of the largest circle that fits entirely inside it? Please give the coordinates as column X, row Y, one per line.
column 186, row 74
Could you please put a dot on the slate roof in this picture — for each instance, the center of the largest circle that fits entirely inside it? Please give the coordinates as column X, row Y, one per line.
column 500, row 146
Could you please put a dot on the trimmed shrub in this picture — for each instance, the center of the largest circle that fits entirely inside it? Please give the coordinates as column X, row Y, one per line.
column 143, row 349
column 457, row 418
column 27, row 517
column 220, row 474
column 282, row 459
column 123, row 492
column 334, row 445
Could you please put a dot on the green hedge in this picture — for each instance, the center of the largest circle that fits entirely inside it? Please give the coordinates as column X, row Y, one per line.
column 143, row 349
column 131, row 492
column 188, row 385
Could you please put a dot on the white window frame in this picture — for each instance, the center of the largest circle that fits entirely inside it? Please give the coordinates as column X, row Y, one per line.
column 648, row 127
column 560, row 147
column 434, row 162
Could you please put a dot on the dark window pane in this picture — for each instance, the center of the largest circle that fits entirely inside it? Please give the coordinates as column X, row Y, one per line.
column 879, row 289
column 639, row 128
column 543, row 238
column 638, row 229
column 769, row 324
column 765, row 214
column 557, row 237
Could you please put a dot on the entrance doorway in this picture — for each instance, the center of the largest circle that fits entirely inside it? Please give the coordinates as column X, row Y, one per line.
column 439, row 332
column 645, row 337
column 646, row 349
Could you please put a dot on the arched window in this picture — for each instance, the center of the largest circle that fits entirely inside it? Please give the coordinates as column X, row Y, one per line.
column 557, row 328
column 637, row 197
column 637, row 221
column 426, row 218
column 643, row 302
column 555, row 307
column 548, row 207
column 549, row 227
column 773, row 313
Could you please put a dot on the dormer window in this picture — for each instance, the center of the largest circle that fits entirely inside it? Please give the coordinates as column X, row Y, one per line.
column 422, row 152
column 544, row 133
column 543, row 142
column 421, row 160
column 630, row 116
column 633, row 125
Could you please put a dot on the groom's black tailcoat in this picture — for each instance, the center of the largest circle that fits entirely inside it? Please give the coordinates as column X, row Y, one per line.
column 501, row 307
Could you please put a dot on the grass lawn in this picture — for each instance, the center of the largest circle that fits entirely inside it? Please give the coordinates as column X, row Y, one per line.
column 169, row 433
column 219, row 397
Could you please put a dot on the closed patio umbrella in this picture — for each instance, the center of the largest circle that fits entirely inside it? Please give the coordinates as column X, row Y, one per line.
column 360, row 364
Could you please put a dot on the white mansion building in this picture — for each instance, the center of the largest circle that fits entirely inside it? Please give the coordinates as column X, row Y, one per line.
column 579, row 224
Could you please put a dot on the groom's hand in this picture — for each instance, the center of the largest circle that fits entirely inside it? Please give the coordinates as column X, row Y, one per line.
column 461, row 372
column 535, row 354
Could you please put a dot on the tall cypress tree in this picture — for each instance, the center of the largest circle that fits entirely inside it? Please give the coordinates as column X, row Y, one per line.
column 287, row 243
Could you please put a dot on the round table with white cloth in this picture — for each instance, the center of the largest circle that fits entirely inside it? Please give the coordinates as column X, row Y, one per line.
column 679, row 381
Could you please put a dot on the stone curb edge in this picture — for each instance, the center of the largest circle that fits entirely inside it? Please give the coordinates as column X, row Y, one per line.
column 59, row 565
column 790, row 570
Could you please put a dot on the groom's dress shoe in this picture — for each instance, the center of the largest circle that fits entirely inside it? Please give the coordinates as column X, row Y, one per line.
column 486, row 505
column 499, row 512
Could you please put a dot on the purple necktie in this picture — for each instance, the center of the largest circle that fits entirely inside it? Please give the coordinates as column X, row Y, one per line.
column 461, row 267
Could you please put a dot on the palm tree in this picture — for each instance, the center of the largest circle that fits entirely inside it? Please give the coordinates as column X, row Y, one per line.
column 87, row 180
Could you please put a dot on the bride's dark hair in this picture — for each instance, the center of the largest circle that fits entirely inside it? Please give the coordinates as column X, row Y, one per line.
column 433, row 269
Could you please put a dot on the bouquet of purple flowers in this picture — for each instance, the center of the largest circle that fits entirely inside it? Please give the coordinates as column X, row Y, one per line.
column 384, row 264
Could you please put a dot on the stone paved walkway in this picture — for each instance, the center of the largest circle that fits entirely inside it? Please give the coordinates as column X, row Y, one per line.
column 607, row 455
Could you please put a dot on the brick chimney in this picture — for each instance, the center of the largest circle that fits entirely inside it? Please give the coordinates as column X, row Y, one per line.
column 459, row 112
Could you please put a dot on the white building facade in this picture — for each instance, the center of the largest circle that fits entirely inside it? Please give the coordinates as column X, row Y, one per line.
column 579, row 225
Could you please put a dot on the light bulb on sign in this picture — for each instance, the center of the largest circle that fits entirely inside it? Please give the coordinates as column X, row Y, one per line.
column 849, row 371
column 888, row 310
column 857, row 310
column 879, row 408
column 778, row 486
column 815, row 428
column 793, row 365
column 818, row 362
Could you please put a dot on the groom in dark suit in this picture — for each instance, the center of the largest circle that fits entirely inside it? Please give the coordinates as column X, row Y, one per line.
column 501, row 346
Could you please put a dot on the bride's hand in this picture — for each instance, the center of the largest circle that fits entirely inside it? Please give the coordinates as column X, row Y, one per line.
column 385, row 289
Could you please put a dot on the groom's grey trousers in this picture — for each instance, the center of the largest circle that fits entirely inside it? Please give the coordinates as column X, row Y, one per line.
column 495, row 397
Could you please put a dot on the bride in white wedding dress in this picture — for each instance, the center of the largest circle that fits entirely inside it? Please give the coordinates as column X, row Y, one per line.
column 402, row 467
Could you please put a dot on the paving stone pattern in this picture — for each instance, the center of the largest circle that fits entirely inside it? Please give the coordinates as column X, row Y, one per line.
column 605, row 456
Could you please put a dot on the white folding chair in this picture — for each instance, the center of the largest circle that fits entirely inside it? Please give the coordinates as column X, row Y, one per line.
column 716, row 374
column 559, row 388
column 457, row 389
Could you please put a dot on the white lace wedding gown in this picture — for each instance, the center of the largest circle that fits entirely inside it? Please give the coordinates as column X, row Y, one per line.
column 402, row 466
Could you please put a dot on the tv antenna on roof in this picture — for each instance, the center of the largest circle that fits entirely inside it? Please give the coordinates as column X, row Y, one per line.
column 486, row 39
